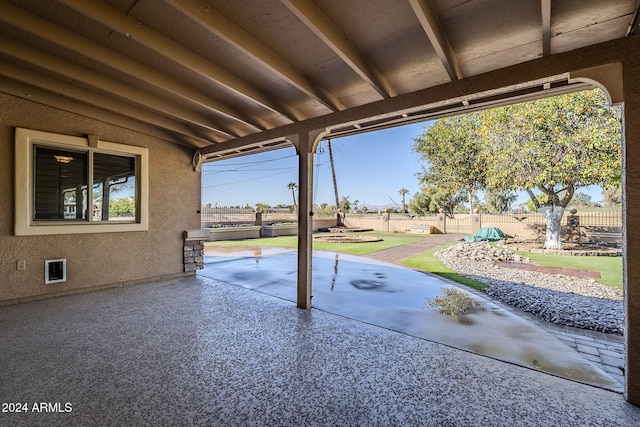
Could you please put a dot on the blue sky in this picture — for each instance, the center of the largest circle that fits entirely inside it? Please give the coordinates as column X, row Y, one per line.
column 370, row 167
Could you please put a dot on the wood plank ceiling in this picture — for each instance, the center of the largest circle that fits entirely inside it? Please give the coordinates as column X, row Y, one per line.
column 213, row 74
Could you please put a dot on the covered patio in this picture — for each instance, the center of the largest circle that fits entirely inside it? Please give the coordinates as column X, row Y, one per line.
column 196, row 351
column 172, row 84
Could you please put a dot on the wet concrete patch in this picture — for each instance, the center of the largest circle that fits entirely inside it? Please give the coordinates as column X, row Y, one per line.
column 395, row 298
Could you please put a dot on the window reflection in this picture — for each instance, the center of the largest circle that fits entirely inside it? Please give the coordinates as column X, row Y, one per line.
column 60, row 178
column 114, row 188
column 61, row 182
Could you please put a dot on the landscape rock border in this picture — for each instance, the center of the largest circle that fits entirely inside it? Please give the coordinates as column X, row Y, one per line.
column 564, row 300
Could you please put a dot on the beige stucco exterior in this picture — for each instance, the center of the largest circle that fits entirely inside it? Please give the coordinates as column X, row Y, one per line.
column 96, row 260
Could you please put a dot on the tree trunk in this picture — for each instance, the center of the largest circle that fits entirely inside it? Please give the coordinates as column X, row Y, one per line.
column 553, row 217
column 295, row 204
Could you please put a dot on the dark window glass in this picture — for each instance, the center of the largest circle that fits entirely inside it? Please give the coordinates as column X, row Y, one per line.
column 60, row 184
column 114, row 188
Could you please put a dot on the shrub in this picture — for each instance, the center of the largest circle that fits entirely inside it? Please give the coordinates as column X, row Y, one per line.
column 453, row 302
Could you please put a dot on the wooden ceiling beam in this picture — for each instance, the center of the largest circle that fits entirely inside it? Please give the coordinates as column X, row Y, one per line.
column 151, row 39
column 127, row 93
column 17, row 17
column 219, row 25
column 50, row 99
column 431, row 26
column 80, row 95
column 498, row 84
column 317, row 22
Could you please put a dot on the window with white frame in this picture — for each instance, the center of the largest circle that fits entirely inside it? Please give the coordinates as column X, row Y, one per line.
column 66, row 185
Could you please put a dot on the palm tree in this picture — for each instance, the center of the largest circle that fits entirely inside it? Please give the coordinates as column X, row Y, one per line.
column 293, row 187
column 403, row 192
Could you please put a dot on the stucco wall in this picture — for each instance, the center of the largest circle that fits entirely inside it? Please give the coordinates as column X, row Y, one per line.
column 100, row 259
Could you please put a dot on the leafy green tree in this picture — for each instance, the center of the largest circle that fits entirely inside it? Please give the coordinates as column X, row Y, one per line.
column 454, row 152
column 554, row 145
column 499, row 201
column 324, row 209
column 261, row 207
column 345, row 204
column 582, row 199
column 125, row 206
column 431, row 199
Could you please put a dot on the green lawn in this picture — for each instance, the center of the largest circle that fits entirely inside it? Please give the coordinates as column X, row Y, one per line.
column 390, row 240
column 610, row 267
column 427, row 262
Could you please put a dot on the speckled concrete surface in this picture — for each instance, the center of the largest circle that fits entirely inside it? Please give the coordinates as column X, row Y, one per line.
column 396, row 298
column 194, row 352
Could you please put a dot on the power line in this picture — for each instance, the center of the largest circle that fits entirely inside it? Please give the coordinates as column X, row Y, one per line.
column 248, row 170
column 363, row 171
column 246, row 180
column 213, row 164
column 339, row 148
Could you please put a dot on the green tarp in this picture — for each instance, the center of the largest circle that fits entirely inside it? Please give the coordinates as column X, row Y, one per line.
column 491, row 234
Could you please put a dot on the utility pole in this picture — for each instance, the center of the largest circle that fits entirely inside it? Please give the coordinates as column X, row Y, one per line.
column 335, row 182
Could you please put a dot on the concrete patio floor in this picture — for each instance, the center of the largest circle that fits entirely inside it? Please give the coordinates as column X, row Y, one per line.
column 396, row 298
column 197, row 351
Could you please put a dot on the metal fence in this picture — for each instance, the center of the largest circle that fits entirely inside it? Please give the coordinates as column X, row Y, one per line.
column 227, row 215
column 608, row 218
column 391, row 216
column 459, row 225
column 601, row 219
column 279, row 215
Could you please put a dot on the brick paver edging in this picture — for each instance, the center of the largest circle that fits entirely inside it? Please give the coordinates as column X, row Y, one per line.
column 398, row 253
column 552, row 270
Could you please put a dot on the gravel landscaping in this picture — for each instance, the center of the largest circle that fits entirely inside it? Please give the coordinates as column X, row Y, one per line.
column 560, row 299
